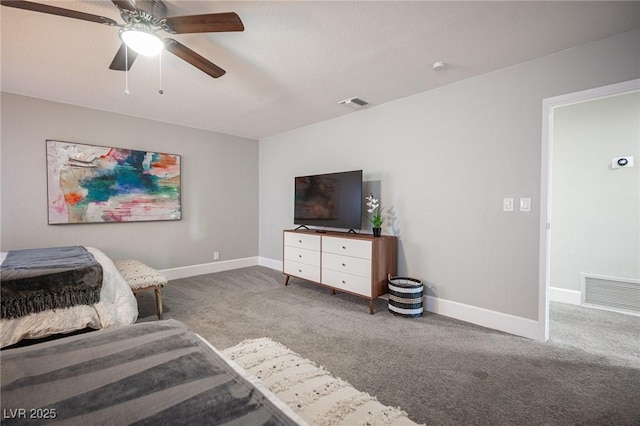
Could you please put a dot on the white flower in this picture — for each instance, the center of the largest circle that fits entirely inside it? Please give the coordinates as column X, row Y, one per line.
column 372, row 203
column 374, row 207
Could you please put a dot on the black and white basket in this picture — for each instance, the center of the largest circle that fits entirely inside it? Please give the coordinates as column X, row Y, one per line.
column 405, row 296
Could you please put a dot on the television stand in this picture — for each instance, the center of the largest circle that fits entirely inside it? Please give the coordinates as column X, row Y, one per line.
column 358, row 264
column 351, row 231
column 302, row 227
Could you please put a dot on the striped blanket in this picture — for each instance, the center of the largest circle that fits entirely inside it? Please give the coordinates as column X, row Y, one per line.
column 149, row 373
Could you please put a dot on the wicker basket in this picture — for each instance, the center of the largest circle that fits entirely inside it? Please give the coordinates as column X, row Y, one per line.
column 406, row 296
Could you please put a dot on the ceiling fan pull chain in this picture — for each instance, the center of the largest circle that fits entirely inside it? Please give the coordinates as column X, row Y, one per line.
column 160, row 72
column 126, row 70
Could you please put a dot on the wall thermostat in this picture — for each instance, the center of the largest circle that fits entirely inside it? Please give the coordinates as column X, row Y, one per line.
column 618, row 162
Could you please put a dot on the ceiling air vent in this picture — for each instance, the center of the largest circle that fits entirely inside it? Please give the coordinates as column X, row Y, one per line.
column 354, row 102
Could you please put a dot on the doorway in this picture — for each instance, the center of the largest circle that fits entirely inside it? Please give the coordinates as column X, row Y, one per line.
column 551, row 106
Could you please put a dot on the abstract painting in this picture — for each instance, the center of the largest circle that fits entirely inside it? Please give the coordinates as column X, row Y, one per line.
column 89, row 184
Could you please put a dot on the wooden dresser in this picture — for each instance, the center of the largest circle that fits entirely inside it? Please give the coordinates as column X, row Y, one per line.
column 354, row 263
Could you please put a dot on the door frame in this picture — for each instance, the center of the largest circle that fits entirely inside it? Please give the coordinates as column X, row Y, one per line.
column 548, row 106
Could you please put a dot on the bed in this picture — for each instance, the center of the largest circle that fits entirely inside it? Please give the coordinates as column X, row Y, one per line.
column 147, row 373
column 116, row 306
column 160, row 372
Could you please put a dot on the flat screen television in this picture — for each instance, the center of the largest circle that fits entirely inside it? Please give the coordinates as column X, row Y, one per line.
column 332, row 200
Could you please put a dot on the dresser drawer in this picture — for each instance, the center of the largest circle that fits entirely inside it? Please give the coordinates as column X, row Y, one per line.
column 309, row 257
column 348, row 264
column 306, row 241
column 343, row 281
column 302, row 270
column 347, row 246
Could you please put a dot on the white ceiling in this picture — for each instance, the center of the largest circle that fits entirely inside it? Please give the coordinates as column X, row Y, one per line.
column 296, row 59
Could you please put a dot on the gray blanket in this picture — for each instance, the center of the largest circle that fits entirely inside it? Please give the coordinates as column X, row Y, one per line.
column 35, row 280
column 155, row 373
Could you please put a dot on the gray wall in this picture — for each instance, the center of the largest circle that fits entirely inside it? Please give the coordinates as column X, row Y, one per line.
column 595, row 209
column 219, row 185
column 444, row 160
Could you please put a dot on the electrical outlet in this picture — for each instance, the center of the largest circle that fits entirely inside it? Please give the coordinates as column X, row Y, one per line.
column 507, row 204
column 216, row 255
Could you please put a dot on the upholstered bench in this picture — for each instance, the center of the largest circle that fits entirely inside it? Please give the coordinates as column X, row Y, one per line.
column 141, row 277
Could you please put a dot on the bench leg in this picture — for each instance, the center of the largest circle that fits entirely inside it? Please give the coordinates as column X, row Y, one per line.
column 159, row 302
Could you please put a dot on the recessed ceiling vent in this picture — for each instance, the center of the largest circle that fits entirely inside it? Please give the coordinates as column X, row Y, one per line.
column 354, row 102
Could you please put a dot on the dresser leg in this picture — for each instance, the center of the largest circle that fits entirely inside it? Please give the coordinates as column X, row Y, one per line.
column 333, row 291
column 286, row 282
column 371, row 306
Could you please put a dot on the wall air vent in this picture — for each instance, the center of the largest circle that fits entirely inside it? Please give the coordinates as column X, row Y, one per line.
column 354, row 102
column 611, row 293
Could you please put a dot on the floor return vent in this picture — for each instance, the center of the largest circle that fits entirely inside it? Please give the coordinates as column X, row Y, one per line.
column 611, row 293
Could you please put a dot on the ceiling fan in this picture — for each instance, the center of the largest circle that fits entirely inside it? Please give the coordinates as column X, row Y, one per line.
column 143, row 19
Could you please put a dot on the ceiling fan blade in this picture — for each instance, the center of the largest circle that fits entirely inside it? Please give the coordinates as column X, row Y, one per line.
column 123, row 61
column 188, row 55
column 209, row 23
column 124, row 5
column 52, row 10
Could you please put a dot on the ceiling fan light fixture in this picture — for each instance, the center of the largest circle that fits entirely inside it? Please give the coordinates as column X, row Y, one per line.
column 141, row 39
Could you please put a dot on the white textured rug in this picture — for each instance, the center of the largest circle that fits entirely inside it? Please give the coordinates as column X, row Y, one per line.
column 312, row 392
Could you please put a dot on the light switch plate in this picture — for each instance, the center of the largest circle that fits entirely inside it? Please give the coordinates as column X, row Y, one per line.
column 507, row 204
column 525, row 204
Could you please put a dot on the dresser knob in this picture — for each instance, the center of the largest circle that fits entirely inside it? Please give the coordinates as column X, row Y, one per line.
column 344, row 264
column 299, row 270
column 344, row 282
column 300, row 256
column 344, row 248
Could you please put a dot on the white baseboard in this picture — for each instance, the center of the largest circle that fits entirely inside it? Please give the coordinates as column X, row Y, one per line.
column 208, row 268
column 270, row 263
column 562, row 295
column 484, row 317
